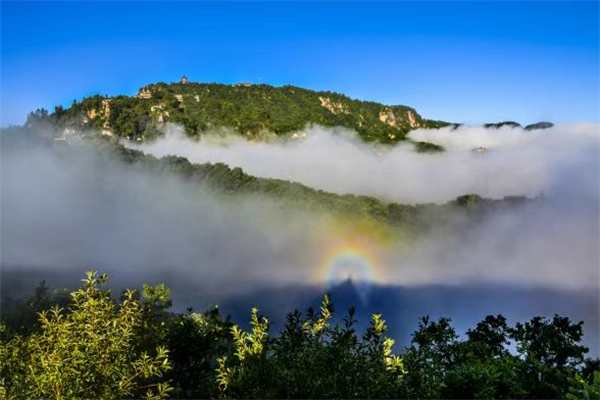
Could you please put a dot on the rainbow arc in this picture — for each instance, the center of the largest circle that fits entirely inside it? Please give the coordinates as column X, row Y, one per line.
column 349, row 261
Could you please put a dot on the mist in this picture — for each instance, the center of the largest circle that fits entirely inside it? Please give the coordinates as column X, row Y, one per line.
column 516, row 162
column 553, row 243
column 65, row 211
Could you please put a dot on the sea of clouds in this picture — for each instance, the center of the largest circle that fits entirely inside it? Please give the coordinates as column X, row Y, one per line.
column 540, row 245
column 62, row 215
column 516, row 162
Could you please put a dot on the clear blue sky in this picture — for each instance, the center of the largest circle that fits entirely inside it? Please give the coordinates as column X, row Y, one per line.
column 467, row 62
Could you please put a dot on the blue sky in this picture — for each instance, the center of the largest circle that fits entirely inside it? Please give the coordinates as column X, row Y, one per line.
column 467, row 62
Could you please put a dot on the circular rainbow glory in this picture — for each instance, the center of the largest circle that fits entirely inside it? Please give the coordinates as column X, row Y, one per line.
column 348, row 262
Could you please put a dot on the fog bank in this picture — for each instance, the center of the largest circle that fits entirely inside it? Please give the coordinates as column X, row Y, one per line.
column 65, row 211
column 80, row 209
column 515, row 161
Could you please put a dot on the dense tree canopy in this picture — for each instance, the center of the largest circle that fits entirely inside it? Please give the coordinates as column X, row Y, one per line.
column 250, row 110
column 97, row 347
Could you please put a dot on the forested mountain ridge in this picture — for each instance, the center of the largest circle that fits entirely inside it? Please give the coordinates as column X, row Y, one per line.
column 256, row 111
column 232, row 184
column 253, row 110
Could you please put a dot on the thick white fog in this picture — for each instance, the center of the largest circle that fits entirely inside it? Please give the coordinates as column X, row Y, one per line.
column 64, row 212
column 552, row 244
column 84, row 210
column 516, row 162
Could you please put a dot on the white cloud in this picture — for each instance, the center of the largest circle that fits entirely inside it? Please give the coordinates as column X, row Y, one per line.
column 517, row 162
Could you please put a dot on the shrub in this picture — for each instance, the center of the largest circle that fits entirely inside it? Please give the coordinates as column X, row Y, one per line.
column 87, row 352
column 311, row 358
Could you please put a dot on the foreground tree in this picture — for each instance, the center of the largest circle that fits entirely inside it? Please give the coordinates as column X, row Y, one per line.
column 90, row 351
column 311, row 358
column 95, row 347
column 195, row 342
column 551, row 353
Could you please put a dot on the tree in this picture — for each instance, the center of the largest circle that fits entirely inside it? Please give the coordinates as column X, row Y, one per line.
column 490, row 337
column 311, row 358
column 437, row 339
column 87, row 352
column 22, row 316
column 551, row 354
column 195, row 341
column 583, row 390
column 553, row 343
column 96, row 347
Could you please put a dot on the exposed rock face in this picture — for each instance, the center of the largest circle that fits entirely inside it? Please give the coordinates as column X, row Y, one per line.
column 334, row 107
column 299, row 135
column 106, row 128
column 159, row 115
column 412, row 119
column 89, row 116
column 179, row 98
column 387, row 117
column 144, row 93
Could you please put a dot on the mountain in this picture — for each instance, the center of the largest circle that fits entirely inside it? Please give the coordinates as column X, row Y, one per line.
column 364, row 211
column 510, row 124
column 513, row 124
column 256, row 111
column 252, row 110
column 539, row 125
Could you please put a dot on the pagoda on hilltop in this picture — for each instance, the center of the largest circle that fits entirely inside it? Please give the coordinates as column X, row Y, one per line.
column 184, row 79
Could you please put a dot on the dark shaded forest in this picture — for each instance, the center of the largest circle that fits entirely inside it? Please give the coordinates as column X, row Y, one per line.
column 91, row 343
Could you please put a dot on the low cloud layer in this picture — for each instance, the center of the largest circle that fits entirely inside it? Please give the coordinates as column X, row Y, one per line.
column 552, row 243
column 64, row 212
column 516, row 162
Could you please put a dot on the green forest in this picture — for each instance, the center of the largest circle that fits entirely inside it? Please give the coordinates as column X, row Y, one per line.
column 255, row 111
column 90, row 343
column 231, row 183
column 251, row 110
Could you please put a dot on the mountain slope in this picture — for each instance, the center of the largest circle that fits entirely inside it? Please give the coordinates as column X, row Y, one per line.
column 364, row 212
column 251, row 110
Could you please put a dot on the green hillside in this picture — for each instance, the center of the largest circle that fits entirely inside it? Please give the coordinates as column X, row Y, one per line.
column 252, row 110
column 363, row 212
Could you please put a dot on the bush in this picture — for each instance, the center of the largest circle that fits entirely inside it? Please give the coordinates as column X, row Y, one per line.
column 91, row 351
column 99, row 348
column 426, row 147
column 311, row 359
